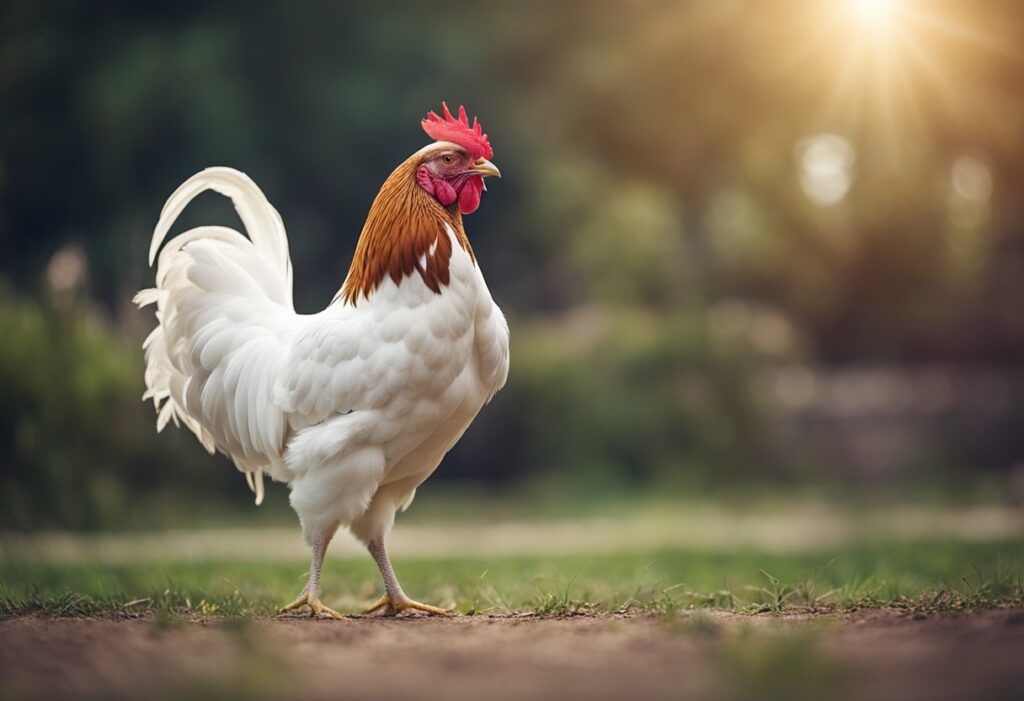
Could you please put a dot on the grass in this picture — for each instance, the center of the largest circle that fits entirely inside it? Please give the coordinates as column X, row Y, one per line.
column 938, row 575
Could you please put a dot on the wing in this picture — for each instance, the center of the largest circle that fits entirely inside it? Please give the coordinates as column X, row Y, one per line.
column 352, row 360
column 373, row 365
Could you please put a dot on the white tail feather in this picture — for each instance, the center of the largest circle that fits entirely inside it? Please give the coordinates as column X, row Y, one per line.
column 213, row 302
column 262, row 222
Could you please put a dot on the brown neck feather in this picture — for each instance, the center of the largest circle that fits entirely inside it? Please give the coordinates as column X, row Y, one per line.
column 404, row 222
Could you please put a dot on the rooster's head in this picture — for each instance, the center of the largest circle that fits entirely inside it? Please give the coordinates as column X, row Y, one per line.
column 453, row 168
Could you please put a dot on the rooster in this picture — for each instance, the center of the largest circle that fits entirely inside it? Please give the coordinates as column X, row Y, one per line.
column 352, row 407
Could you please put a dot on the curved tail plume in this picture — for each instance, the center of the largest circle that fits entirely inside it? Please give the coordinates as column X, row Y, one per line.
column 262, row 222
column 224, row 306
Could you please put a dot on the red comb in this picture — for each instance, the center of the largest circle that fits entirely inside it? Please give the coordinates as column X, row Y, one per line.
column 458, row 131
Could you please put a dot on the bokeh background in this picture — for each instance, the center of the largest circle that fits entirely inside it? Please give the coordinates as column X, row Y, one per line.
column 742, row 246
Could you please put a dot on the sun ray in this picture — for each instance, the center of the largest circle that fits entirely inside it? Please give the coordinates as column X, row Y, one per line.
column 845, row 83
column 940, row 83
column 821, row 36
column 883, row 66
column 962, row 32
column 903, row 75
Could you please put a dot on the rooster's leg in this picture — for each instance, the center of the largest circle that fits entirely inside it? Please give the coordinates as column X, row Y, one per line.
column 310, row 595
column 394, row 599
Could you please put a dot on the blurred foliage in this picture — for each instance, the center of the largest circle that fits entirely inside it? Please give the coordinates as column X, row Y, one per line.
column 64, row 381
column 79, row 447
column 696, row 195
column 627, row 398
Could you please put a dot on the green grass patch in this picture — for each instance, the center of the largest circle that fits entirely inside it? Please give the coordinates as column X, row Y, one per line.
column 933, row 576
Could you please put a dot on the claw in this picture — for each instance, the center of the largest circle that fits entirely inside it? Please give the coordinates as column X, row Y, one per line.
column 381, row 603
column 393, row 608
column 316, row 606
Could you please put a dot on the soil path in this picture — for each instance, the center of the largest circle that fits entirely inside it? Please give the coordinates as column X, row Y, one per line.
column 869, row 655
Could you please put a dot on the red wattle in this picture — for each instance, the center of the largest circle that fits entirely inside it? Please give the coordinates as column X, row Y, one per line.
column 444, row 192
column 469, row 196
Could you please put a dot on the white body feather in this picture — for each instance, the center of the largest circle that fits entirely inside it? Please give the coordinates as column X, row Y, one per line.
column 355, row 406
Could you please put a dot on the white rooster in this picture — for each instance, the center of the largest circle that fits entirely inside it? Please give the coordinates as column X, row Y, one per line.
column 355, row 406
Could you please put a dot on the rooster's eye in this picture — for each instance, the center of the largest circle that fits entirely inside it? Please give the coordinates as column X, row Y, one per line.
column 448, row 159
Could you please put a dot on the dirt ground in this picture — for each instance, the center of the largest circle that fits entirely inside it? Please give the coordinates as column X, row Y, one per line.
column 869, row 655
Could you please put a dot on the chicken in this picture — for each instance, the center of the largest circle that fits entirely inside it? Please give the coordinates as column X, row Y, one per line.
column 352, row 407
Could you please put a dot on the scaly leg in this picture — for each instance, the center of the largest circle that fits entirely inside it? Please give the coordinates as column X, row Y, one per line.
column 394, row 599
column 310, row 595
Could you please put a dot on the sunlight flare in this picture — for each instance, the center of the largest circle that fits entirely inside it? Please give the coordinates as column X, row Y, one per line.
column 878, row 13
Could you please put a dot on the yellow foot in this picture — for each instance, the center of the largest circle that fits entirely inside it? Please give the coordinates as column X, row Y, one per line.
column 389, row 608
column 315, row 606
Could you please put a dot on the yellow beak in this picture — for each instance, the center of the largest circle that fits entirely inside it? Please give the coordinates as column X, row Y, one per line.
column 484, row 167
